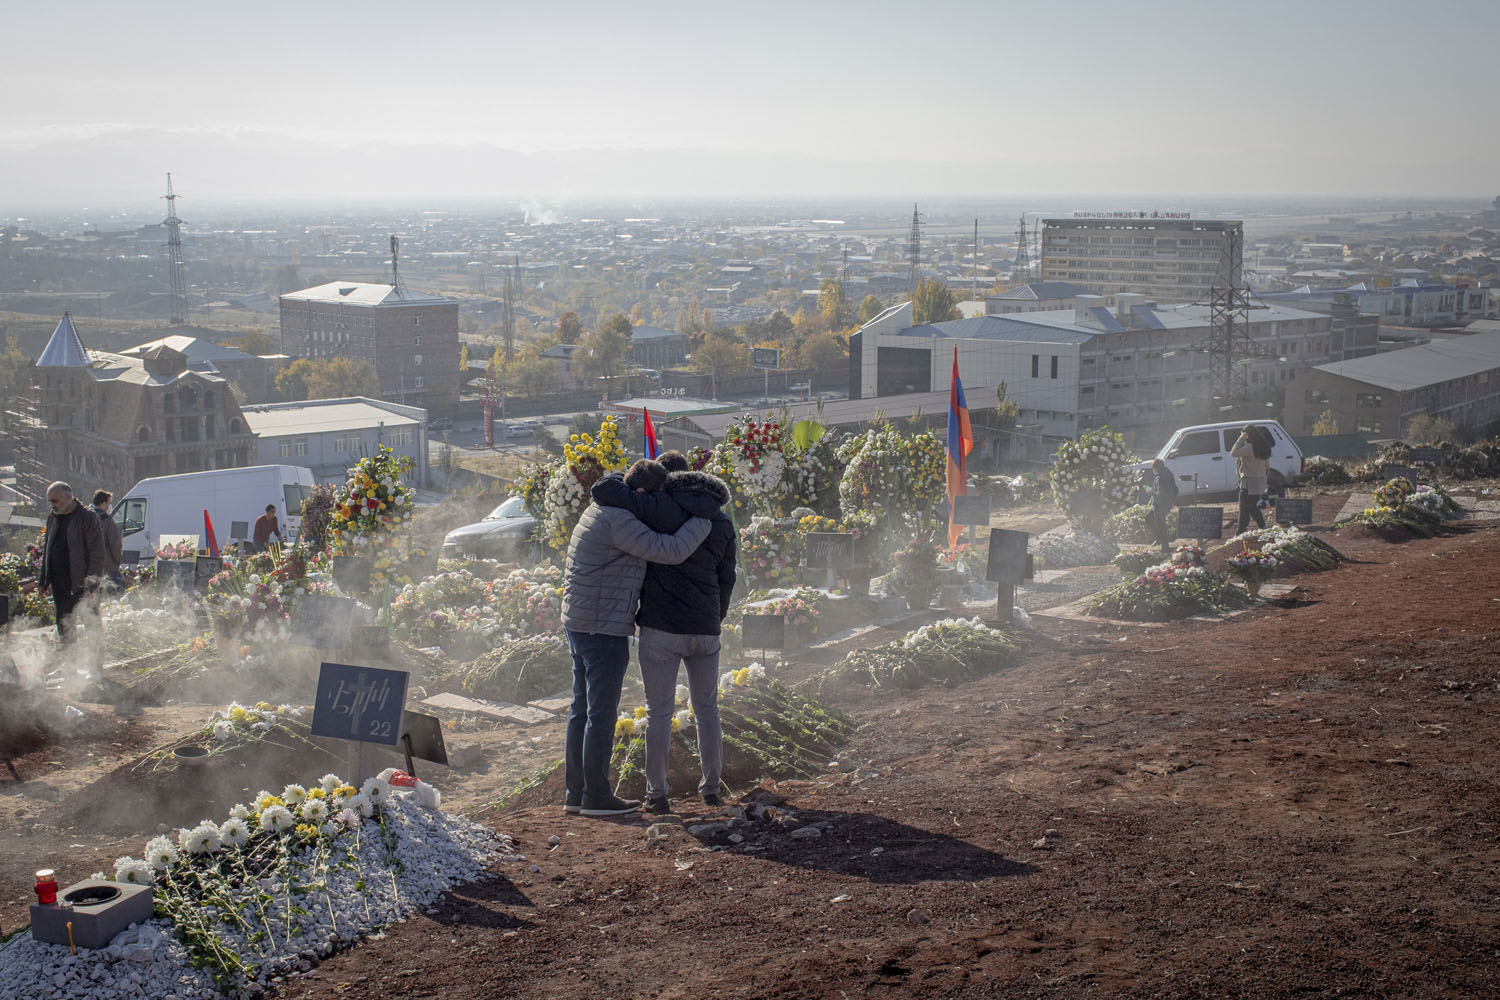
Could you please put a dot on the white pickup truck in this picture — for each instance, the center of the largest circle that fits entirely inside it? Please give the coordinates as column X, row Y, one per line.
column 1199, row 457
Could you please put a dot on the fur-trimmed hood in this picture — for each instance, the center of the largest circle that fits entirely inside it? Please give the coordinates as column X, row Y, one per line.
column 698, row 483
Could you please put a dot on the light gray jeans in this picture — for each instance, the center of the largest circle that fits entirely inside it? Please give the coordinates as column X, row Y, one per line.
column 660, row 653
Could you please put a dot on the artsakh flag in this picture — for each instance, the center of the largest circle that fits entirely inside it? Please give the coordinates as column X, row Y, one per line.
column 208, row 531
column 652, row 448
column 960, row 443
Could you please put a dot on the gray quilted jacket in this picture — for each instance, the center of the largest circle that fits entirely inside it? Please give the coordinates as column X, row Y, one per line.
column 607, row 558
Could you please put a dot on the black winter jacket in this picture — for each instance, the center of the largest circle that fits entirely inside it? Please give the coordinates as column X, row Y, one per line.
column 693, row 597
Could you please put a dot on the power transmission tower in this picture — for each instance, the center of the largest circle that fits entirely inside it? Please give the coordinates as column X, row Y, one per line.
column 174, row 258
column 396, row 266
column 508, row 308
column 1229, row 345
column 1023, row 255
column 975, row 262
column 914, row 251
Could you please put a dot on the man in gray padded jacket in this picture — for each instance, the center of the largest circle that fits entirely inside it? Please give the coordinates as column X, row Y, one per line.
column 606, row 565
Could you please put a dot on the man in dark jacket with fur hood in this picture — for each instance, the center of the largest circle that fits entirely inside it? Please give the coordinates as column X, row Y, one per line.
column 682, row 608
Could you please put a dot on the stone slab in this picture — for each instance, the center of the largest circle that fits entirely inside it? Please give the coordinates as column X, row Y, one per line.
column 522, row 714
column 558, row 704
column 93, row 925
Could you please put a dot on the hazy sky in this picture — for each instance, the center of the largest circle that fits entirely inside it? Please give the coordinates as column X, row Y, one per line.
column 1273, row 97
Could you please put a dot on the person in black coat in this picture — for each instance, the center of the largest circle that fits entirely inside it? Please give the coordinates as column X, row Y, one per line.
column 681, row 614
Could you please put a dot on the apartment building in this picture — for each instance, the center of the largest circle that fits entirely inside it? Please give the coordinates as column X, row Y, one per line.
column 410, row 338
column 1166, row 259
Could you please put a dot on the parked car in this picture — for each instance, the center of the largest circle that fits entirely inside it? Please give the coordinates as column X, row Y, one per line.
column 504, row 533
column 440, row 424
column 1199, row 457
column 523, row 428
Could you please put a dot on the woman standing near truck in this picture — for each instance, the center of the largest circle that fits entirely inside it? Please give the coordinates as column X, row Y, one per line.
column 1252, row 453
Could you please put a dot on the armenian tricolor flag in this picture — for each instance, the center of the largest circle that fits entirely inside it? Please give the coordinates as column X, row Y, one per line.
column 652, row 448
column 208, row 531
column 960, row 443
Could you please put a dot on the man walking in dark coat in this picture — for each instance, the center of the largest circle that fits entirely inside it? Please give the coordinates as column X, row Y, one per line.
column 73, row 557
column 682, row 608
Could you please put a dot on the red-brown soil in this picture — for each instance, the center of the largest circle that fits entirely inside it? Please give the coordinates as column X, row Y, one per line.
column 1299, row 801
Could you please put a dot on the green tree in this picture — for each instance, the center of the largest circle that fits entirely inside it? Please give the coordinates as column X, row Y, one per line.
column 933, row 303
column 1424, row 428
column 338, row 377
column 1325, row 425
column 569, row 328
column 463, row 360
column 869, row 308
column 291, row 381
column 601, row 352
column 255, row 342
column 495, row 369
column 531, row 374
column 1007, row 410
column 720, row 355
column 779, row 326
column 690, row 319
column 823, row 352
column 14, row 373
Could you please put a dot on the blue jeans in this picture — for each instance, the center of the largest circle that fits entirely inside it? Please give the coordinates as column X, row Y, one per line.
column 599, row 663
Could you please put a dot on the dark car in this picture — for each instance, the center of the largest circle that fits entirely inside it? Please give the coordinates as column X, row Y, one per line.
column 505, row 533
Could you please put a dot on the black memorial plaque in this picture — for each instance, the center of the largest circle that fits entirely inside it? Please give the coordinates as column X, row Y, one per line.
column 205, row 568
column 829, row 549
column 1007, row 557
column 130, row 557
column 1200, row 522
column 239, row 530
column 4, row 610
column 1389, row 472
column 359, row 703
column 426, row 735
column 352, row 574
column 971, row 510
column 324, row 621
column 1294, row 510
column 1425, row 456
column 764, row 631
column 176, row 573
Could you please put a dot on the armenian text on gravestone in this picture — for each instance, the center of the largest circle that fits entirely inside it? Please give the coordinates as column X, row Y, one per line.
column 1200, row 522
column 1294, row 510
column 365, row 704
column 971, row 510
column 829, row 549
column 763, row 631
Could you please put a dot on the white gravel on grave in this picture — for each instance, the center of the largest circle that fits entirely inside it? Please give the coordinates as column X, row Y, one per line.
column 1066, row 546
column 436, row 851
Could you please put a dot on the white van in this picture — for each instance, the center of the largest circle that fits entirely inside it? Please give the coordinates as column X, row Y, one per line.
column 234, row 498
column 1199, row 457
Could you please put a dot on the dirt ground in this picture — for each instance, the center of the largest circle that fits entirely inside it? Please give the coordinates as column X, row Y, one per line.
column 1296, row 802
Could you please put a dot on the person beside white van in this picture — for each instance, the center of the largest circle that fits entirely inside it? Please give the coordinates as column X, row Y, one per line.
column 1252, row 454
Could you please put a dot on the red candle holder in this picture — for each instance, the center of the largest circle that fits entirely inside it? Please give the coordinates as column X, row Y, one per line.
column 46, row 887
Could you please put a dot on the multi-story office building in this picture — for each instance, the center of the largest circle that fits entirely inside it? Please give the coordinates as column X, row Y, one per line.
column 1139, row 368
column 410, row 338
column 1166, row 259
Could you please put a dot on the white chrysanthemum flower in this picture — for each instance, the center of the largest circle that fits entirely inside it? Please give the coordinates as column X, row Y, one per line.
column 201, row 839
column 239, row 811
column 134, row 870
column 277, row 819
column 682, row 719
column 330, row 781
column 235, row 831
column 314, row 810
column 223, row 731
column 375, row 790
column 348, row 819
column 160, row 853
column 294, row 795
column 361, row 804
column 757, row 672
column 682, row 693
column 261, row 728
column 331, row 829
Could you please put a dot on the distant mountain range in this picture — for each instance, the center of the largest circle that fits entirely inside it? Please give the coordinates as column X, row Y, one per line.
column 126, row 165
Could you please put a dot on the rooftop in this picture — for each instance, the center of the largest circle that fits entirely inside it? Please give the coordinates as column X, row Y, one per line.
column 321, row 416
column 1040, row 290
column 1427, row 364
column 360, row 293
column 197, row 350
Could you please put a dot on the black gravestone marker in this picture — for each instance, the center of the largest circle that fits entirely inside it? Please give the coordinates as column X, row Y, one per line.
column 176, row 573
column 1294, row 510
column 324, row 622
column 425, row 733
column 1428, row 456
column 971, row 510
column 359, row 703
column 239, row 530
column 764, row 631
column 205, row 568
column 829, row 549
column 352, row 574
column 1389, row 472
column 130, row 558
column 1200, row 522
column 4, row 610
column 1007, row 557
